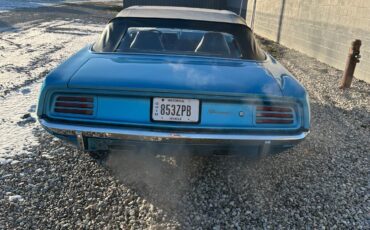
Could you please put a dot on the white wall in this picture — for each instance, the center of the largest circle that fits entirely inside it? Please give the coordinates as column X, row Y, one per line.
column 323, row 29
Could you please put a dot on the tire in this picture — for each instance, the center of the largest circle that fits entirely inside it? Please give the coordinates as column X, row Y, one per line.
column 99, row 155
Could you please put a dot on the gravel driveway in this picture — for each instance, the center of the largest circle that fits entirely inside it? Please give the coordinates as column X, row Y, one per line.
column 321, row 183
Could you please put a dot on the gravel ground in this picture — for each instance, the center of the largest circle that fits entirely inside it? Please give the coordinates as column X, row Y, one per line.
column 40, row 38
column 321, row 183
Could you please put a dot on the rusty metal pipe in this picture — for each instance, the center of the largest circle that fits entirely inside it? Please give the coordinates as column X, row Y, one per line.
column 353, row 58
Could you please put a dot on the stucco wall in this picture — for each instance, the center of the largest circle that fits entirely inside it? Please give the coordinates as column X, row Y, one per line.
column 323, row 29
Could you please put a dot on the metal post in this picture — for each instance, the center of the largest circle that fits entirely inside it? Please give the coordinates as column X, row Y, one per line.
column 353, row 58
column 253, row 14
column 241, row 7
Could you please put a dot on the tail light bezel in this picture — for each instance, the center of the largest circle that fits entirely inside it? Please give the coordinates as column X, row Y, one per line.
column 88, row 102
column 279, row 115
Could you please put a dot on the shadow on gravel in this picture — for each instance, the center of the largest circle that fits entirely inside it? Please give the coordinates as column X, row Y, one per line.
column 97, row 6
column 158, row 178
column 180, row 181
column 4, row 26
column 277, row 52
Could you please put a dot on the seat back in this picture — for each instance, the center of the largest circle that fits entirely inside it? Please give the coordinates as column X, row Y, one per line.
column 147, row 40
column 213, row 43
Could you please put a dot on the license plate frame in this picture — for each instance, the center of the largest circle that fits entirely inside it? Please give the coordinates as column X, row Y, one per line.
column 155, row 115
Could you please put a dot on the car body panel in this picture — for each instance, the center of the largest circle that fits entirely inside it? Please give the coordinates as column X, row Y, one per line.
column 160, row 72
column 122, row 88
column 220, row 105
column 217, row 114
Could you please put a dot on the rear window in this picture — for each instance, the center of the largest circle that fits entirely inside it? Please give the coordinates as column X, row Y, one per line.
column 179, row 41
column 179, row 37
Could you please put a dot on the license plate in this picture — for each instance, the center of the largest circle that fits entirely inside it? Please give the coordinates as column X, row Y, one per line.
column 175, row 109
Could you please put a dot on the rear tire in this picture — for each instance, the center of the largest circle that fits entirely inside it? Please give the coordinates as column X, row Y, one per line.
column 99, row 155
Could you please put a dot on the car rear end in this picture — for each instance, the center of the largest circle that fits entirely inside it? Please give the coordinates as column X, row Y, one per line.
column 101, row 121
column 175, row 82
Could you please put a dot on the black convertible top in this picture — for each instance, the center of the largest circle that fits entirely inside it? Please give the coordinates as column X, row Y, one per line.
column 186, row 13
column 219, row 21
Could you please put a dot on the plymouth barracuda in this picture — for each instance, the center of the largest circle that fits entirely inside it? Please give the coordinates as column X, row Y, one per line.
column 175, row 76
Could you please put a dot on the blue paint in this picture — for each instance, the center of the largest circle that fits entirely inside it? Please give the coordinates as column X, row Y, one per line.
column 160, row 72
column 227, row 114
column 134, row 110
column 123, row 85
column 115, row 109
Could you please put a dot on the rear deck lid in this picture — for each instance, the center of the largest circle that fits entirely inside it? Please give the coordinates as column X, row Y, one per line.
column 175, row 74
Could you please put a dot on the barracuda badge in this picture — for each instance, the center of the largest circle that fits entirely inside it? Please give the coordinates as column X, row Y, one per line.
column 213, row 111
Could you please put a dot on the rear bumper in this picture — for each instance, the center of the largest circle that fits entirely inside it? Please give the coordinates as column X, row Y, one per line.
column 82, row 133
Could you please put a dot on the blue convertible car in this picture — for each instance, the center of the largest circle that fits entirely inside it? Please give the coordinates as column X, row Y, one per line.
column 173, row 75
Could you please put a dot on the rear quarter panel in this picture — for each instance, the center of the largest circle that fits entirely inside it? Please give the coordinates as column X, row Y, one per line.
column 60, row 76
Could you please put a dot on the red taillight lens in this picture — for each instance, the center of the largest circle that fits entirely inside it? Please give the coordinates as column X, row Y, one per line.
column 74, row 111
column 81, row 105
column 264, row 121
column 78, row 99
column 274, row 115
column 73, row 105
column 274, row 109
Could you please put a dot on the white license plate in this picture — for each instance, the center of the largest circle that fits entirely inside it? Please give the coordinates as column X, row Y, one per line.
column 175, row 109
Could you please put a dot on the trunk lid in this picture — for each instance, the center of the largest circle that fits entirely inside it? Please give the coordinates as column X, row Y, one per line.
column 175, row 74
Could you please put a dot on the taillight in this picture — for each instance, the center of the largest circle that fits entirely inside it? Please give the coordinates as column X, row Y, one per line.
column 274, row 115
column 82, row 105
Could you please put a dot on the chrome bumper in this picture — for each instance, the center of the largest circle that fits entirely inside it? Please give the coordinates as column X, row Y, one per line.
column 127, row 134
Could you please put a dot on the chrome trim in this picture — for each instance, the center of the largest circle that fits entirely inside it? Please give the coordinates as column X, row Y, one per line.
column 131, row 134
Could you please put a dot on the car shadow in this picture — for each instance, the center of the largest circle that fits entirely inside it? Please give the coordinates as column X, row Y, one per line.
column 98, row 6
column 5, row 26
column 165, row 178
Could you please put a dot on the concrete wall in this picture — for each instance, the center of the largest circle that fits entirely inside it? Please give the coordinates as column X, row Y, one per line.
column 323, row 29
